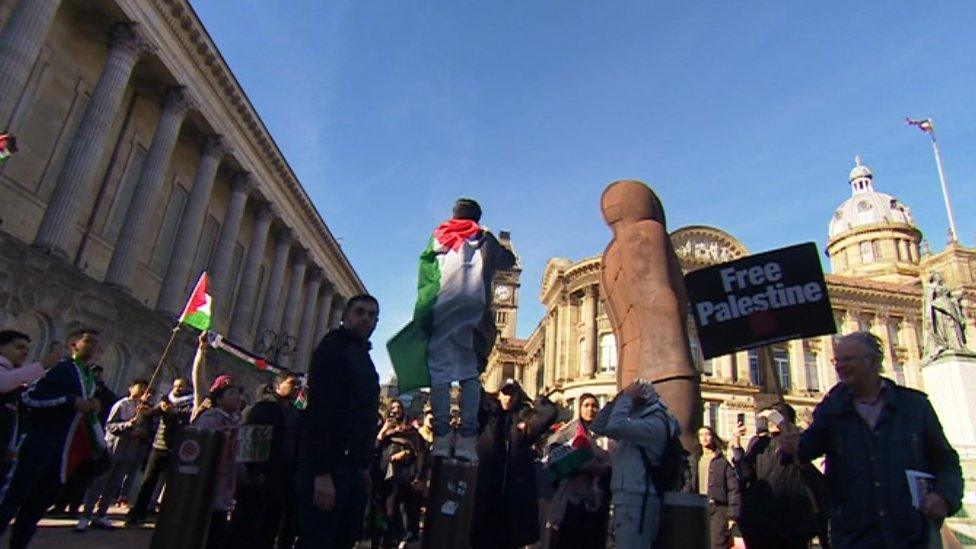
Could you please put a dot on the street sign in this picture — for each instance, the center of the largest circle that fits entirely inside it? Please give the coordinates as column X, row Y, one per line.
column 760, row 299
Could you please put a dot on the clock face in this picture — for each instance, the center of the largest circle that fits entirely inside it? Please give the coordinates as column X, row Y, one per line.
column 503, row 293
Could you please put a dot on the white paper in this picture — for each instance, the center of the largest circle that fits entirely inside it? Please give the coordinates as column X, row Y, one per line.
column 919, row 484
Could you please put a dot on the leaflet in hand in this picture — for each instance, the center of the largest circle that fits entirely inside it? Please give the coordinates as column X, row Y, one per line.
column 920, row 484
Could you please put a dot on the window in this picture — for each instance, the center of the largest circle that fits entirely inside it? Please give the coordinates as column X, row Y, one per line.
column 167, row 231
column 608, row 353
column 123, row 195
column 812, row 370
column 253, row 311
column 755, row 370
column 713, row 416
column 781, row 361
column 201, row 259
column 235, row 274
column 894, row 335
column 867, row 252
column 864, row 324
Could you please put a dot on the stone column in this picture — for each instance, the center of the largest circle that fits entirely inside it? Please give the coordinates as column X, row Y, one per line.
column 564, row 339
column 293, row 304
column 325, row 313
column 20, row 43
column 798, row 370
column 307, row 326
column 187, row 236
column 269, row 313
column 549, row 365
column 338, row 304
column 131, row 243
column 828, row 375
column 240, row 321
column 74, row 187
column 588, row 312
column 220, row 275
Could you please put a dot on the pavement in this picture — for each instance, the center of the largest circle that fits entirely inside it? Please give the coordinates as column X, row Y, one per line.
column 58, row 533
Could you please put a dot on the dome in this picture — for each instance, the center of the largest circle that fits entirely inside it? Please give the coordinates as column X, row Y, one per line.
column 867, row 206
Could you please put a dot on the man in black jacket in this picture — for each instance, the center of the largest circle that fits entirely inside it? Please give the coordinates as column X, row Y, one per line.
column 339, row 432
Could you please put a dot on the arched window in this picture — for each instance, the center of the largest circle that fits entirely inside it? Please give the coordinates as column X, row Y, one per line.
column 38, row 327
column 115, row 361
column 608, row 353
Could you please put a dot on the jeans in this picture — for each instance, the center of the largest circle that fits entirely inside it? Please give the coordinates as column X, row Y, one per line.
column 105, row 488
column 155, row 467
column 627, row 533
column 440, row 401
column 339, row 528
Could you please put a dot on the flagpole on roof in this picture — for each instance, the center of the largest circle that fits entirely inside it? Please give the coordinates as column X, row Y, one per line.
column 928, row 126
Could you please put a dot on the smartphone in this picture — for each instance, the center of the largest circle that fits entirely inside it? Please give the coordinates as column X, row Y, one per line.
column 740, row 419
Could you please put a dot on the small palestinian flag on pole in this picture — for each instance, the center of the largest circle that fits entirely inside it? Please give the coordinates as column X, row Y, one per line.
column 8, row 146
column 197, row 312
column 924, row 124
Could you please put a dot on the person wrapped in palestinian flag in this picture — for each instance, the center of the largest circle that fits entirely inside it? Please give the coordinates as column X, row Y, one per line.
column 453, row 328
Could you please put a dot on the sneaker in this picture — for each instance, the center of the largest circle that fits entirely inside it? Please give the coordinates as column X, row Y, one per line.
column 442, row 447
column 102, row 523
column 465, row 449
column 82, row 525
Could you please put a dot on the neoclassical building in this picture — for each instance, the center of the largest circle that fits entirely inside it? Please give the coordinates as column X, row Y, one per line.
column 877, row 268
column 141, row 164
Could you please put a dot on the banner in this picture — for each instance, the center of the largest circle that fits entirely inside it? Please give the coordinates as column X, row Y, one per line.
column 760, row 299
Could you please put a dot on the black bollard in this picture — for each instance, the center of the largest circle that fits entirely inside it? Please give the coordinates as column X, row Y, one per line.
column 683, row 522
column 450, row 506
column 188, row 500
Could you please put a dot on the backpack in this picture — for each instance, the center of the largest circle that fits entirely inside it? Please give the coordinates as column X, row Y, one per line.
column 671, row 474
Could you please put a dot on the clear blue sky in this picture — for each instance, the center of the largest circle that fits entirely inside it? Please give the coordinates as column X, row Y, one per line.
column 742, row 116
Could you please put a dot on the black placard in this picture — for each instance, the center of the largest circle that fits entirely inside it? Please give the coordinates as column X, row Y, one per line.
column 760, row 299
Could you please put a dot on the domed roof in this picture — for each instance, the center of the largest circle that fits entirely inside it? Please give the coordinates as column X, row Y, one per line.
column 867, row 206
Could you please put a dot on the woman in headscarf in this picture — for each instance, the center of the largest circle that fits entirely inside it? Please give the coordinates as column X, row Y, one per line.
column 579, row 510
column 506, row 508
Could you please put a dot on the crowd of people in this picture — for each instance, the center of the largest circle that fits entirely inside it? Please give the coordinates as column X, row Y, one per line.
column 348, row 468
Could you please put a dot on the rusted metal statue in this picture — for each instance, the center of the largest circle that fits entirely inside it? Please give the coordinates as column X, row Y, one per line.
column 644, row 295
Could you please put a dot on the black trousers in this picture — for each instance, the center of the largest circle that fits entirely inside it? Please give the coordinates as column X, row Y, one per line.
column 155, row 467
column 262, row 521
column 35, row 483
column 718, row 521
column 339, row 528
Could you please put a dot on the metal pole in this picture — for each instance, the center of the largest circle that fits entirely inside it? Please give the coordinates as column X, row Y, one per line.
column 942, row 180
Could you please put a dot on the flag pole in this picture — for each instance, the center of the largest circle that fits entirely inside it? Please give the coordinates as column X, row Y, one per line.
column 162, row 358
column 945, row 190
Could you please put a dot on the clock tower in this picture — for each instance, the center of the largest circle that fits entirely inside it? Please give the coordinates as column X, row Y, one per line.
column 505, row 291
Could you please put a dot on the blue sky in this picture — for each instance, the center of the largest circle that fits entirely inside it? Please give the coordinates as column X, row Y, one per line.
column 744, row 116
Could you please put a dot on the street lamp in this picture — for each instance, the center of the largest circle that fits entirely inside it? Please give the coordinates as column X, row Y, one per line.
column 275, row 346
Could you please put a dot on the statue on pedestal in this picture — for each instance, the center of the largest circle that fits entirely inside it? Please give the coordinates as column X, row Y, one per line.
column 644, row 294
column 943, row 320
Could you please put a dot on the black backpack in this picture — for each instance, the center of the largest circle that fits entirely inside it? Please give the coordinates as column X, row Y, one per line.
column 671, row 474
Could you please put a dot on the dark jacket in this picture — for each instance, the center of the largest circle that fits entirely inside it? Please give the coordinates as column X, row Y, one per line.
column 279, row 470
column 171, row 422
column 723, row 485
column 506, row 511
column 776, row 497
column 343, row 397
column 868, row 492
column 107, row 399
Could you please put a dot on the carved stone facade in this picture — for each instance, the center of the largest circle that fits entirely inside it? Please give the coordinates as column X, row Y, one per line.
column 572, row 351
column 141, row 164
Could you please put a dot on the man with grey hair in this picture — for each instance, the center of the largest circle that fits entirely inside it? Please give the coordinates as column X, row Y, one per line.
column 872, row 432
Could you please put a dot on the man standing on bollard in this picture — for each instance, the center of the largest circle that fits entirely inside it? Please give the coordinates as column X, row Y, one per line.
column 876, row 434
column 339, row 432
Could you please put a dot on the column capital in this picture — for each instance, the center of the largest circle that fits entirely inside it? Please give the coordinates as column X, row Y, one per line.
column 215, row 146
column 285, row 236
column 300, row 256
column 314, row 273
column 177, row 100
column 266, row 211
column 129, row 38
column 244, row 182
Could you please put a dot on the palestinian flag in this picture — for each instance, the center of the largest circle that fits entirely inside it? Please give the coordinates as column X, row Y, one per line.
column 924, row 124
column 8, row 146
column 450, row 286
column 301, row 402
column 566, row 459
column 197, row 311
column 86, row 440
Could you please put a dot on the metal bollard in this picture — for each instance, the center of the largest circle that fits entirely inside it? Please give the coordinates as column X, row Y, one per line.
column 188, row 500
column 450, row 507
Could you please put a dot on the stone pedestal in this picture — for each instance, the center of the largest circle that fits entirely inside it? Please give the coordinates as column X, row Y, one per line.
column 950, row 381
